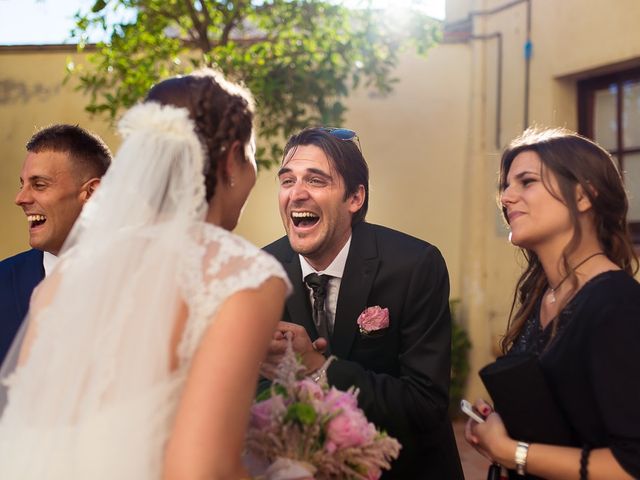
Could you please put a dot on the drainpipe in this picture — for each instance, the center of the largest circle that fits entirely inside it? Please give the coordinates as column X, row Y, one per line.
column 528, row 51
column 528, row 47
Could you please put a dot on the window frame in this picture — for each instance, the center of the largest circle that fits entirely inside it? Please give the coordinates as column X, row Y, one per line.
column 586, row 100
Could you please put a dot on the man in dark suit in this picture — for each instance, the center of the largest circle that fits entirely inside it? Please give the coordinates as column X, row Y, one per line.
column 62, row 169
column 401, row 368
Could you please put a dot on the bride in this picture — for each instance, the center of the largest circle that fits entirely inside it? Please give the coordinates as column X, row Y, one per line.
column 141, row 351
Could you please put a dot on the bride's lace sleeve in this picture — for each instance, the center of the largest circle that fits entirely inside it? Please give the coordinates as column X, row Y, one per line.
column 216, row 265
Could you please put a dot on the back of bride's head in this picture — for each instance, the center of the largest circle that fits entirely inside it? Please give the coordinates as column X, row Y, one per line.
column 222, row 113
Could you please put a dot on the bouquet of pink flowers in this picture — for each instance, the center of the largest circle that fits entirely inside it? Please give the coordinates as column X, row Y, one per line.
column 302, row 429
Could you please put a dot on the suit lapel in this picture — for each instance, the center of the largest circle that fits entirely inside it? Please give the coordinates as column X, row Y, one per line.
column 357, row 280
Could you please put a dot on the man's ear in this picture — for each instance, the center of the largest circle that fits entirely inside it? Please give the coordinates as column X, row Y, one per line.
column 356, row 199
column 582, row 199
column 89, row 188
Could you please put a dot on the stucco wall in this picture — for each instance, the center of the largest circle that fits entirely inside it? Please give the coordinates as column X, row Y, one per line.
column 571, row 39
column 32, row 96
column 415, row 169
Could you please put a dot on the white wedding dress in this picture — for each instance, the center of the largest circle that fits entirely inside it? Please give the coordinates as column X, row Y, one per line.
column 94, row 396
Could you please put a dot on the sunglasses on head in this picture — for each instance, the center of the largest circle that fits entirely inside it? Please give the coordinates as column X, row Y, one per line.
column 343, row 134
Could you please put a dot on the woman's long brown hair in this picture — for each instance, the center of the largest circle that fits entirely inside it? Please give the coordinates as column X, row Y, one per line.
column 574, row 160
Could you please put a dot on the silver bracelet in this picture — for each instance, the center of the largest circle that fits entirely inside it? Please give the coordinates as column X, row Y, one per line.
column 320, row 375
column 522, row 450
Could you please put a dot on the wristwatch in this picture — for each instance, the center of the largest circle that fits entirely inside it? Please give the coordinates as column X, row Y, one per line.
column 522, row 450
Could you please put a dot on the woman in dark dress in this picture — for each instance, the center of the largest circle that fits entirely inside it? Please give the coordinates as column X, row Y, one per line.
column 576, row 306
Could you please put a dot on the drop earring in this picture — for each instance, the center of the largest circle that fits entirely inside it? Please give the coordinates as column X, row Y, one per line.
column 231, row 182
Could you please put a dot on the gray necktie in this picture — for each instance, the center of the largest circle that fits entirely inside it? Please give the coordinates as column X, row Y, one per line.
column 318, row 284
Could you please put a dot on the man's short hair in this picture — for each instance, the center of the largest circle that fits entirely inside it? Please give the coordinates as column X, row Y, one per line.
column 86, row 149
column 345, row 157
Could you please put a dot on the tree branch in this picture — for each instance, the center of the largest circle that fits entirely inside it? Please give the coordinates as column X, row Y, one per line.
column 224, row 38
column 203, row 37
column 244, row 42
column 193, row 41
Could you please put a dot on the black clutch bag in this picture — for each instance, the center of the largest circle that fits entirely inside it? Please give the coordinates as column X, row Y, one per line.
column 523, row 399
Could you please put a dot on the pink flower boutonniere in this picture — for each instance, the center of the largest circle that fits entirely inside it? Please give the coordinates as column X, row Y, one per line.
column 373, row 319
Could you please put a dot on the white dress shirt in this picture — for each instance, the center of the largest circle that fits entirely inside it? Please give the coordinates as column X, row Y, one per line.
column 335, row 270
column 49, row 261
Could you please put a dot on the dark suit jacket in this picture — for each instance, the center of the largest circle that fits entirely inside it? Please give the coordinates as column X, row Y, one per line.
column 403, row 373
column 19, row 275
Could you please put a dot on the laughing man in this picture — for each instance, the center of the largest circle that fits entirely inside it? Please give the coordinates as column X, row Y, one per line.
column 62, row 169
column 381, row 300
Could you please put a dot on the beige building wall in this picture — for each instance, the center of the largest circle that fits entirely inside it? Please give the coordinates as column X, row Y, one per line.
column 415, row 184
column 572, row 39
column 32, row 96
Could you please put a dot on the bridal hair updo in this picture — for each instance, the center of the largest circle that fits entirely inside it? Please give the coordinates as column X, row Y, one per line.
column 221, row 110
column 574, row 160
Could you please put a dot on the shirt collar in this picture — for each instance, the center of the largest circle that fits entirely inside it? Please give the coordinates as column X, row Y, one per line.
column 49, row 261
column 335, row 269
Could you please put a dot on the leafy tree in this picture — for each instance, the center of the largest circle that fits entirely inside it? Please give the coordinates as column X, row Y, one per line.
column 300, row 58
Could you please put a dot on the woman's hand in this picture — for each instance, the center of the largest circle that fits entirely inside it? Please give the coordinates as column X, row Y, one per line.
column 472, row 439
column 490, row 438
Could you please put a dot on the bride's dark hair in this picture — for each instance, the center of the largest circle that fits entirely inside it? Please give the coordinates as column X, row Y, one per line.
column 222, row 112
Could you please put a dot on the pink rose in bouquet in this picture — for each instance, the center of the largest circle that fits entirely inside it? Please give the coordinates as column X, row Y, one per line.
column 373, row 319
column 349, row 428
column 262, row 412
column 336, row 400
column 310, row 390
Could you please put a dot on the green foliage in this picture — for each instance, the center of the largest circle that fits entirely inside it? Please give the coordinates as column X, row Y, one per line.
column 266, row 394
column 460, row 346
column 300, row 58
column 301, row 413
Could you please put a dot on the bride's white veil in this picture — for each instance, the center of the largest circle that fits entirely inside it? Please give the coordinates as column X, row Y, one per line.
column 98, row 333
